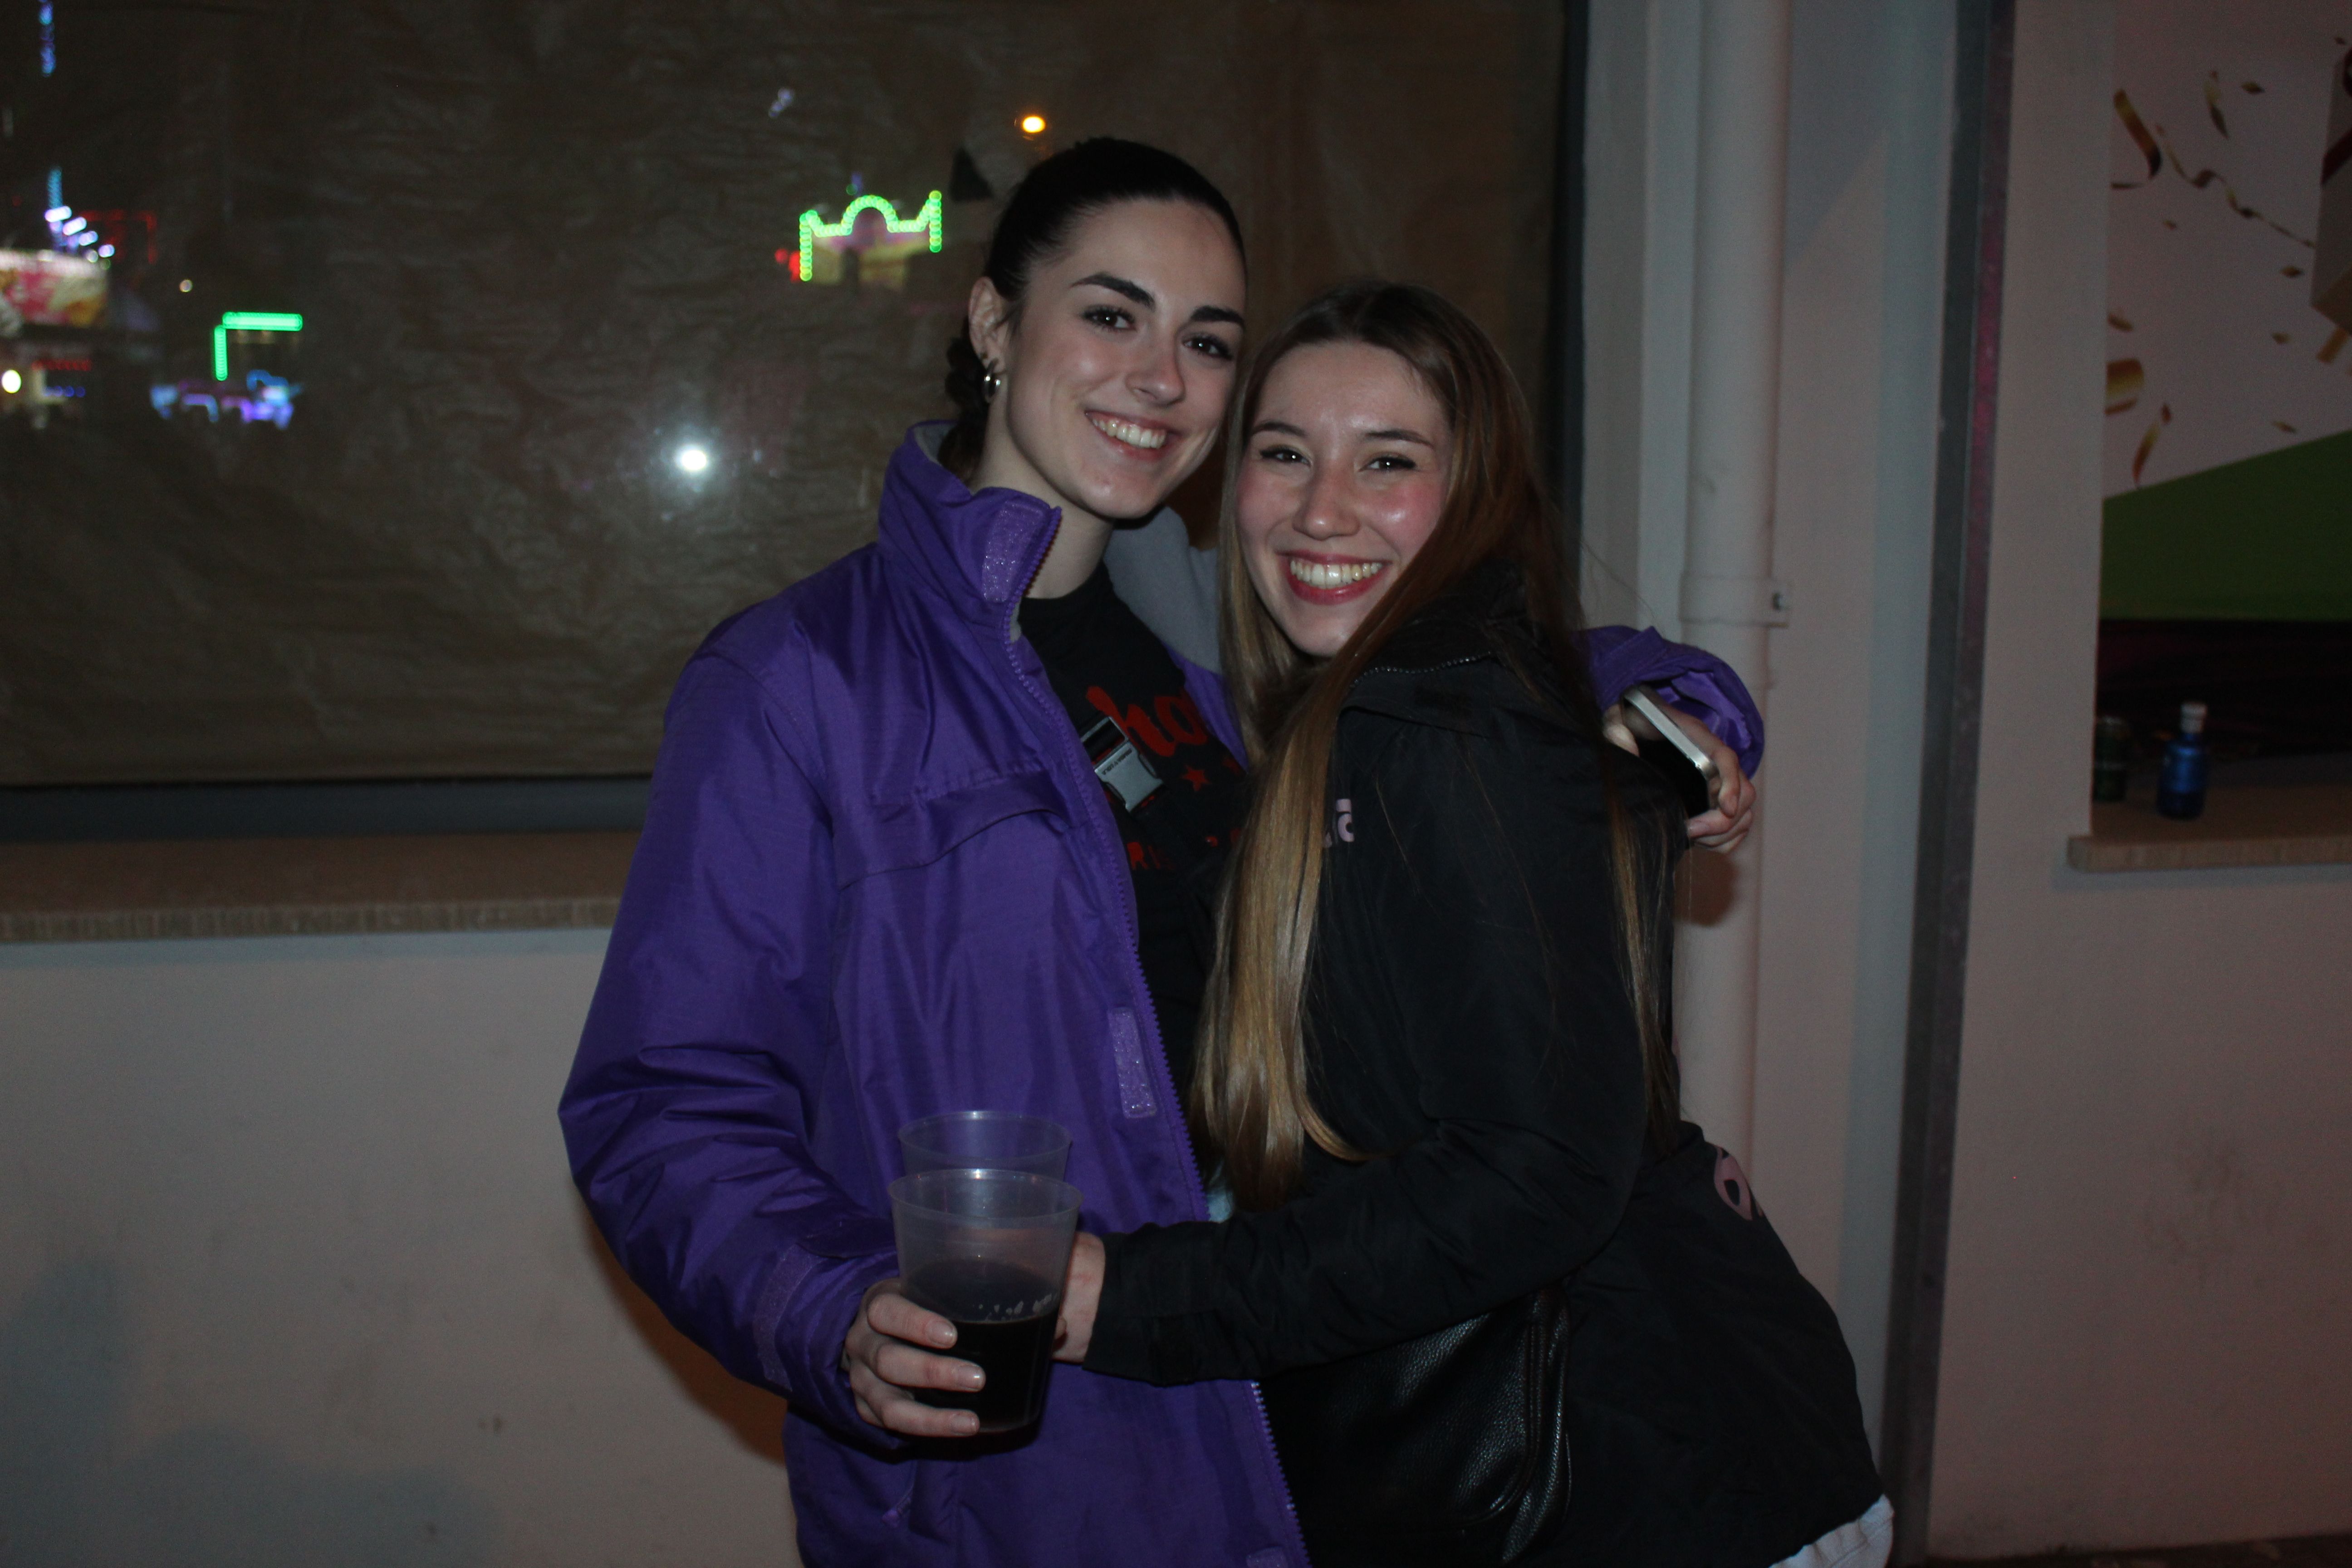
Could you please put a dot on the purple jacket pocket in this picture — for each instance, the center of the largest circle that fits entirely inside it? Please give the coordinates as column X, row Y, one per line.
column 1135, row 1095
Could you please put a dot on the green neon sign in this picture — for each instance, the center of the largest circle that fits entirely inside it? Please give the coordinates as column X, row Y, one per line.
column 925, row 222
column 248, row 322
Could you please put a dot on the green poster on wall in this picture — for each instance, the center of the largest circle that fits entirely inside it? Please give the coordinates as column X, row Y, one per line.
column 2264, row 539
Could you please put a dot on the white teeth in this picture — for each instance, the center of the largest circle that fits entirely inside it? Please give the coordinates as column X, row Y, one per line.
column 1133, row 435
column 1332, row 574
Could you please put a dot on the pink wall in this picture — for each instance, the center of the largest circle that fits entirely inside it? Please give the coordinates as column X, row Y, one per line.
column 2151, row 1263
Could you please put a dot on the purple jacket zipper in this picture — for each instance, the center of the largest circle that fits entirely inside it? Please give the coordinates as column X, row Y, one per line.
column 1106, row 830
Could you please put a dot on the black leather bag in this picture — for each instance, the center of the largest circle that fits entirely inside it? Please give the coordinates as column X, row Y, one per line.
column 1449, row 1449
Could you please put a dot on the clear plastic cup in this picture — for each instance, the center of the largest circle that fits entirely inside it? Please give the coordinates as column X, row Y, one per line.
column 988, row 1250
column 985, row 1140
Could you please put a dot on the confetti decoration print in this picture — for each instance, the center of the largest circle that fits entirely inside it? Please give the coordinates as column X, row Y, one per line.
column 2125, row 381
column 2148, row 442
column 2205, row 177
column 2157, row 147
column 2137, row 131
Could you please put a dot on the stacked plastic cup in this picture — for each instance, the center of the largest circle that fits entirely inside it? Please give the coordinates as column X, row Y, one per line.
column 986, row 1140
column 988, row 1250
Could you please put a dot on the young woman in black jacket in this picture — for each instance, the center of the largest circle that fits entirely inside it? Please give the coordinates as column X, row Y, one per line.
column 1434, row 1068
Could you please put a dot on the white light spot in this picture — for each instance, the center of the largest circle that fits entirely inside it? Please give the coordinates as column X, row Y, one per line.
column 783, row 101
column 692, row 459
column 186, row 284
column 11, row 383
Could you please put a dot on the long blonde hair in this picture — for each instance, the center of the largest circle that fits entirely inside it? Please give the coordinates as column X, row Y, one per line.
column 1250, row 1101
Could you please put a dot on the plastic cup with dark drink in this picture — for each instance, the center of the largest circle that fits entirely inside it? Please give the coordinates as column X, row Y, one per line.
column 987, row 1250
column 985, row 1140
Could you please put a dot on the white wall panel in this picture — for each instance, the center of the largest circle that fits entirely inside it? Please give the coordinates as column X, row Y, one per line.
column 291, row 1271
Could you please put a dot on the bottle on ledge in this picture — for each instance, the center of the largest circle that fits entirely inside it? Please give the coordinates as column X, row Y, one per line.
column 2180, row 787
column 2111, row 759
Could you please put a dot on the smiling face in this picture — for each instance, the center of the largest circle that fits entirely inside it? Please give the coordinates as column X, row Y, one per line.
column 1120, row 364
column 1343, row 479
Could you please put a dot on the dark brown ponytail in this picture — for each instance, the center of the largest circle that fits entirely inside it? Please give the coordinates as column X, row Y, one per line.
column 960, row 452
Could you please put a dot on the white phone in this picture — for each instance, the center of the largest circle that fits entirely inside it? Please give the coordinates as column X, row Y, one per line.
column 1664, row 747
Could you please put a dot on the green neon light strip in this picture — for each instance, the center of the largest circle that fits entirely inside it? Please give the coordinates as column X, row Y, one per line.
column 251, row 321
column 813, row 229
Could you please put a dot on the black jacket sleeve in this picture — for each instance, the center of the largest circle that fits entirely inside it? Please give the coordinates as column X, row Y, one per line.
column 1471, row 1019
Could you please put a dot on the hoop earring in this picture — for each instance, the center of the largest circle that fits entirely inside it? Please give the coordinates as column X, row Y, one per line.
column 990, row 384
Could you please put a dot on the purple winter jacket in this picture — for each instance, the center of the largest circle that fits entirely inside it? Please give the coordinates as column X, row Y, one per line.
column 879, row 881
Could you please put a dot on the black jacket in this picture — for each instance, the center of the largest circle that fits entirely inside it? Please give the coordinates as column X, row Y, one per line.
column 1471, row 1028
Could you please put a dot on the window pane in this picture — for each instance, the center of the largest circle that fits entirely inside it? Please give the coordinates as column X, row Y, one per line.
column 451, row 372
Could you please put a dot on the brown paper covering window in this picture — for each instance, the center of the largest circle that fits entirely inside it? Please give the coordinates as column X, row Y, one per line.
column 538, row 250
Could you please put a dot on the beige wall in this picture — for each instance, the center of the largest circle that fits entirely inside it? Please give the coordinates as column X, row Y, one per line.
column 2151, row 1264
column 1862, row 301
column 291, row 1271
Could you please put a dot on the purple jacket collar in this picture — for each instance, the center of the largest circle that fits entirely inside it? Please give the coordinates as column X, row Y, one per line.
column 976, row 552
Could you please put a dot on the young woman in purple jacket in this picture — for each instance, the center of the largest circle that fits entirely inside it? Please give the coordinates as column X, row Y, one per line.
column 880, row 879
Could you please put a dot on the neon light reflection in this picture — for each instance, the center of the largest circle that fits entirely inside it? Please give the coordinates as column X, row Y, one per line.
column 836, row 235
column 248, row 322
column 270, row 399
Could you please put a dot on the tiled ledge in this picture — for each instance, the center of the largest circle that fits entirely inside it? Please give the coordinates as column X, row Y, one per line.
column 2243, row 824
column 310, row 887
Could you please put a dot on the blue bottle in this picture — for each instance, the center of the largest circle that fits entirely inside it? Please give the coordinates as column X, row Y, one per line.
column 2180, row 787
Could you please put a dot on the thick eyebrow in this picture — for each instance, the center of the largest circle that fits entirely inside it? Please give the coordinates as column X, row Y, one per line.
column 1392, row 435
column 1128, row 288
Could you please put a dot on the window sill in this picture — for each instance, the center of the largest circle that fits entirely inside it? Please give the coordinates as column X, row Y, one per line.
column 2243, row 824
column 310, row 887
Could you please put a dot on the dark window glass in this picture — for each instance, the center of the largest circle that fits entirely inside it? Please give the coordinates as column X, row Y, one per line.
column 439, row 373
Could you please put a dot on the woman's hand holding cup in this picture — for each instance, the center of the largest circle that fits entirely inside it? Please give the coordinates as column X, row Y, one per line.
column 986, row 1254
column 885, row 1355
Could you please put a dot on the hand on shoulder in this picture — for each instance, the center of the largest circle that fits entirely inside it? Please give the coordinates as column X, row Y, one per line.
column 1722, row 828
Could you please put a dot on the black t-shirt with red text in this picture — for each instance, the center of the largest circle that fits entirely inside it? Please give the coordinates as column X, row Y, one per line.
column 1104, row 662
